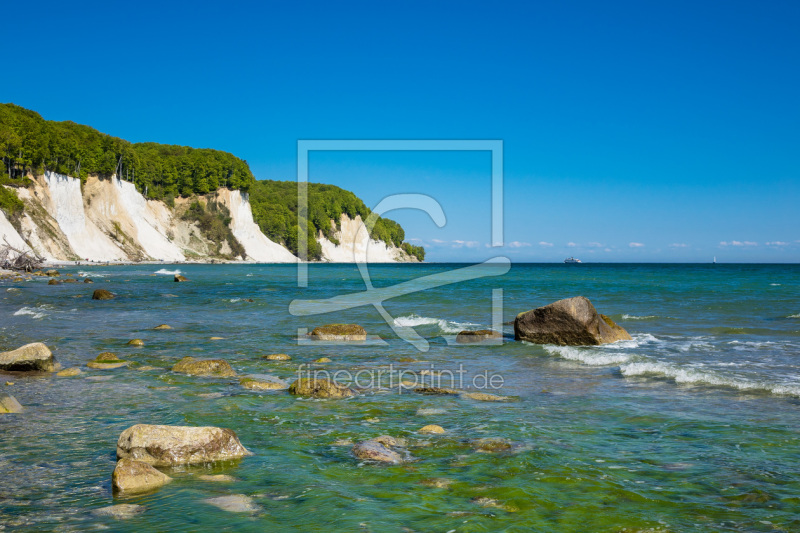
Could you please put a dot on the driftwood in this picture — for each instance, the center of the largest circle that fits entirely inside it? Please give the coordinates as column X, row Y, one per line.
column 20, row 260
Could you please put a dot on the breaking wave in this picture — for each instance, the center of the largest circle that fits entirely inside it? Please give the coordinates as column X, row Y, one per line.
column 168, row 272
column 33, row 312
column 634, row 317
column 446, row 326
column 693, row 376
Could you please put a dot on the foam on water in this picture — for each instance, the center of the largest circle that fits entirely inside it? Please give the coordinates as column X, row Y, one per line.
column 446, row 326
column 634, row 317
column 33, row 312
column 794, row 316
column 693, row 376
column 168, row 272
column 84, row 274
column 588, row 356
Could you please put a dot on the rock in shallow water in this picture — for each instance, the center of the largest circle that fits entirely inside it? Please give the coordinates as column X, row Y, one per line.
column 262, row 384
column 431, row 429
column 34, row 357
column 339, row 332
column 122, row 511
column 178, row 278
column 467, row 337
column 572, row 322
column 319, row 388
column 9, row 404
column 69, row 372
column 235, row 503
column 132, row 476
column 485, row 397
column 102, row 294
column 204, row 367
column 174, row 445
column 277, row 357
column 378, row 450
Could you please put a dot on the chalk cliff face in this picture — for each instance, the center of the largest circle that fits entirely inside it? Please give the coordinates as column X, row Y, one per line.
column 109, row 220
column 355, row 246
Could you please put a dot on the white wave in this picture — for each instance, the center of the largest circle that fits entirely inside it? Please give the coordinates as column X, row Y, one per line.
column 638, row 339
column 168, row 272
column 446, row 326
column 588, row 356
column 33, row 312
column 634, row 317
column 794, row 316
column 775, row 284
column 699, row 377
column 233, row 300
column 84, row 274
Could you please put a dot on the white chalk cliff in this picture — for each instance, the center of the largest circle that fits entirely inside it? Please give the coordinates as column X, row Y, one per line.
column 355, row 245
column 109, row 220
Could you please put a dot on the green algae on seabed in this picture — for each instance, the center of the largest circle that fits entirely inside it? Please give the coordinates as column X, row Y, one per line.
column 598, row 452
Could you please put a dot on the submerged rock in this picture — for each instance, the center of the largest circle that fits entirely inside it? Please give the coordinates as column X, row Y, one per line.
column 87, row 280
column 378, row 450
column 131, row 476
column 136, row 342
column 218, row 478
column 466, row 336
column 52, row 282
column 52, row 272
column 102, row 294
column 179, row 278
column 485, row 397
column 322, row 360
column 320, row 388
column 34, row 357
column 431, row 429
column 437, row 391
column 121, row 511
column 572, row 322
column 491, row 445
column 9, row 404
column 176, row 445
column 69, row 372
column 106, row 361
column 204, row 367
column 339, row 332
column 163, row 326
column 276, row 357
column 235, row 503
column 259, row 384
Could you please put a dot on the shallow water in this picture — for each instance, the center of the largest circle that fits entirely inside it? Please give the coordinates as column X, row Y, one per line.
column 693, row 426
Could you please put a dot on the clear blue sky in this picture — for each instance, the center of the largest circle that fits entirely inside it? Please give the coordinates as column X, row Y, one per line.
column 632, row 131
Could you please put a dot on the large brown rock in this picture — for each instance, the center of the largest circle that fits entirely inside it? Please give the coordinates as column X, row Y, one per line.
column 179, row 278
column 204, row 367
column 339, row 332
column 34, row 357
column 102, row 294
column 573, row 322
column 178, row 445
column 319, row 388
column 132, row 476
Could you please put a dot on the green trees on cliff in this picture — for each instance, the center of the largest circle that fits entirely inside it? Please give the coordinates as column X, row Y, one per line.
column 31, row 145
column 274, row 205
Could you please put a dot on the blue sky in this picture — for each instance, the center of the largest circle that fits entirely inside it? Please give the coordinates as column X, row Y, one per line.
column 632, row 131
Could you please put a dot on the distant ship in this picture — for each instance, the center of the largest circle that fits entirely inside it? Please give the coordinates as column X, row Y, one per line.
column 572, row 261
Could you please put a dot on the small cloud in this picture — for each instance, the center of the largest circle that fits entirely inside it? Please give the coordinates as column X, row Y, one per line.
column 437, row 241
column 635, row 244
column 777, row 243
column 546, row 244
column 678, row 245
column 595, row 245
column 518, row 244
column 607, row 250
column 469, row 244
column 571, row 244
column 414, row 240
column 738, row 243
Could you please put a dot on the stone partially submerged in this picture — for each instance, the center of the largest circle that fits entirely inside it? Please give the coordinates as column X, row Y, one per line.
column 178, row 445
column 469, row 337
column 34, row 357
column 339, row 332
column 378, row 450
column 569, row 322
column 131, row 476
column 218, row 368
column 316, row 387
column 9, row 404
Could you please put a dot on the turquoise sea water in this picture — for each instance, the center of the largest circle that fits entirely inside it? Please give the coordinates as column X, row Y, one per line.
column 692, row 426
